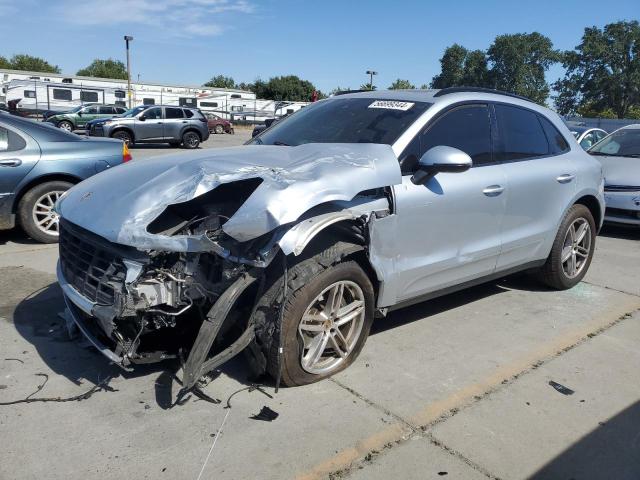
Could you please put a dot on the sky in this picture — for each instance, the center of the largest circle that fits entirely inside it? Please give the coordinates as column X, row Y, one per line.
column 330, row 43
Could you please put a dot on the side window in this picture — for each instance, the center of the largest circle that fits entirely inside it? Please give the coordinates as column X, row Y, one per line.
column 153, row 113
column 173, row 113
column 10, row 142
column 105, row 110
column 467, row 128
column 29, row 94
column 188, row 113
column 61, row 94
column 520, row 133
column 88, row 96
column 90, row 110
column 557, row 142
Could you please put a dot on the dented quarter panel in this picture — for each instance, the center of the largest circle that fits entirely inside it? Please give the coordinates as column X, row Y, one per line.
column 119, row 204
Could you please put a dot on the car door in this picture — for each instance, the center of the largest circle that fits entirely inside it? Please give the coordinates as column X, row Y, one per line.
column 149, row 124
column 173, row 123
column 448, row 229
column 19, row 153
column 540, row 175
column 86, row 114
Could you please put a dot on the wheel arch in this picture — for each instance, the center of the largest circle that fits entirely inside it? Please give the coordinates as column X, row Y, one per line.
column 592, row 203
column 191, row 129
column 52, row 177
column 127, row 129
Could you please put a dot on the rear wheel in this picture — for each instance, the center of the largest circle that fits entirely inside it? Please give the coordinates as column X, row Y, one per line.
column 190, row 140
column 219, row 129
column 66, row 125
column 124, row 136
column 572, row 250
column 35, row 211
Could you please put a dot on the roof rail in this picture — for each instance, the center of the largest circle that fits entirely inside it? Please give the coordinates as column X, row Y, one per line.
column 446, row 91
column 346, row 92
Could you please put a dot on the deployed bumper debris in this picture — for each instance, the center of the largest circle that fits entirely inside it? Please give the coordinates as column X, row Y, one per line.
column 166, row 259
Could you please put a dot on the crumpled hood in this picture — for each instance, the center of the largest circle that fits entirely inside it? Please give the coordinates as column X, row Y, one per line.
column 620, row 170
column 119, row 204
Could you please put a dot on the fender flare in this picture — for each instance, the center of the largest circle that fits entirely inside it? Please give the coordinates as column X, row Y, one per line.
column 298, row 237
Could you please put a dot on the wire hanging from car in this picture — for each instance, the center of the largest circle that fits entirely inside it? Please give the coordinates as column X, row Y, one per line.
column 284, row 298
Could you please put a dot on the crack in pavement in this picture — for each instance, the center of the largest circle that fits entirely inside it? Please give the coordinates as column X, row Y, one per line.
column 611, row 288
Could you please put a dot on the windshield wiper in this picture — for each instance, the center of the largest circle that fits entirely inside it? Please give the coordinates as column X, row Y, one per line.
column 602, row 154
column 631, row 155
column 278, row 142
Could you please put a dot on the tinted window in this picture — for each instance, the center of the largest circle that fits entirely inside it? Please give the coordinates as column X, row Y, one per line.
column 466, row 128
column 119, row 94
column 208, row 104
column 188, row 113
column 521, row 134
column 60, row 94
column 29, row 94
column 189, row 102
column 557, row 143
column 89, row 96
column 120, row 103
column 90, row 110
column 345, row 120
column 153, row 113
column 148, row 101
column 624, row 142
column 10, row 142
column 173, row 113
column 119, row 109
column 105, row 110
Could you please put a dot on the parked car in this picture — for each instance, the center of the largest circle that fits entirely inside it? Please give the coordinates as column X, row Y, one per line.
column 218, row 125
column 355, row 206
column 92, row 124
column 76, row 118
column 588, row 137
column 619, row 154
column 38, row 163
column 157, row 124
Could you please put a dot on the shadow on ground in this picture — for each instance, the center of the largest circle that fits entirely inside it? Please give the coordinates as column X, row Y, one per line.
column 620, row 231
column 610, row 451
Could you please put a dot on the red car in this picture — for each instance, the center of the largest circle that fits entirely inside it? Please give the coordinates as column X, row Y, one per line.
column 217, row 124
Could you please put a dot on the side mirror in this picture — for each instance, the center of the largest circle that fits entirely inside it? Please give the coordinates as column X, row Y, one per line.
column 80, row 114
column 441, row 159
column 142, row 118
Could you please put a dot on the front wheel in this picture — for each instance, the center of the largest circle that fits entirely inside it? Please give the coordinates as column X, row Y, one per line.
column 124, row 136
column 326, row 320
column 35, row 211
column 190, row 140
column 66, row 125
column 219, row 129
column 572, row 250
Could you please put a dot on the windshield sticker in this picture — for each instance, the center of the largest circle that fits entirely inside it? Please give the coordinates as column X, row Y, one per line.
column 392, row 105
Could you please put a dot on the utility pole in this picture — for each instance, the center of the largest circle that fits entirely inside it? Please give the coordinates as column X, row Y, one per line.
column 127, row 39
column 371, row 73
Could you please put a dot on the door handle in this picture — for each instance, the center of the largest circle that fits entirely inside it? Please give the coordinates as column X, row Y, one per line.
column 566, row 178
column 184, row 121
column 12, row 162
column 493, row 190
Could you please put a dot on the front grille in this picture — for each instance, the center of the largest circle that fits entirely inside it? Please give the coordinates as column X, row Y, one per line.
column 621, row 188
column 88, row 266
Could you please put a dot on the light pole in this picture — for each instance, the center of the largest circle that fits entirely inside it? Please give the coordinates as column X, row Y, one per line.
column 127, row 39
column 371, row 73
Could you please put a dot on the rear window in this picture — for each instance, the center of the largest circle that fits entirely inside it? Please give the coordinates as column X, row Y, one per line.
column 10, row 142
column 521, row 134
column 345, row 120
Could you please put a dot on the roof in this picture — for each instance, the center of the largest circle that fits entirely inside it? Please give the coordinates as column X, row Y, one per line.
column 41, row 131
column 118, row 80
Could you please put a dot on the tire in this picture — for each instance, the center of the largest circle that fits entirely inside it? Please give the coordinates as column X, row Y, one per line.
column 219, row 129
column 32, row 209
column 65, row 125
column 123, row 135
column 190, row 140
column 575, row 249
column 307, row 281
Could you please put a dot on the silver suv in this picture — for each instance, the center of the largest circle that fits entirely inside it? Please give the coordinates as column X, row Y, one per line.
column 357, row 205
column 157, row 124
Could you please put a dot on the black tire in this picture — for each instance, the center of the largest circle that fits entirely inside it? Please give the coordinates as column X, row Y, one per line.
column 305, row 281
column 27, row 205
column 553, row 273
column 190, row 139
column 219, row 129
column 66, row 125
column 123, row 135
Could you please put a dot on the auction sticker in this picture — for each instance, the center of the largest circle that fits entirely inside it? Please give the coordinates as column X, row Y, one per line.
column 392, row 105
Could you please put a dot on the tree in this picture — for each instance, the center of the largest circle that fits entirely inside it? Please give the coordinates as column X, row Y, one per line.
column 220, row 81
column 400, row 84
column 32, row 64
column 519, row 62
column 451, row 67
column 108, row 68
column 4, row 63
column 602, row 73
column 288, row 87
column 367, row 86
column 475, row 72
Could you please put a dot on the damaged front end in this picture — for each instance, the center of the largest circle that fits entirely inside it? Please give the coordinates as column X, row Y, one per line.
column 166, row 259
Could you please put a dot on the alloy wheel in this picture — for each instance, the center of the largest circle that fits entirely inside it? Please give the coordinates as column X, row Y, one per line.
column 331, row 326
column 191, row 140
column 576, row 248
column 65, row 126
column 45, row 219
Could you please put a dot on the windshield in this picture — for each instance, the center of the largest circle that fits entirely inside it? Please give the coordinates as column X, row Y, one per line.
column 622, row 143
column 132, row 112
column 344, row 120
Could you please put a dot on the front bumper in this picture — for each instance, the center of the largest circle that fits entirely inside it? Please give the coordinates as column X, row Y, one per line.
column 622, row 207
